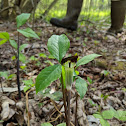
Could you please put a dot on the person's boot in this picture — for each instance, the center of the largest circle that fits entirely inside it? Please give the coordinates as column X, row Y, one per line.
column 70, row 20
column 118, row 11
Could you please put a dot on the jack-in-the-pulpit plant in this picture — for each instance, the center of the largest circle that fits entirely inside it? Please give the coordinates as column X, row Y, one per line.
column 58, row 45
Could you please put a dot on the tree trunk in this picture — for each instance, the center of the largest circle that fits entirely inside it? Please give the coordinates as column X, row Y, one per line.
column 20, row 6
column 4, row 13
column 27, row 6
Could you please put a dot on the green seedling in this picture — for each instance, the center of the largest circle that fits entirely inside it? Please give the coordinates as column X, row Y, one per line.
column 28, row 84
column 42, row 55
column 4, row 74
column 105, row 73
column 91, row 102
column 48, row 124
column 65, row 70
column 104, row 96
column 109, row 114
column 28, row 33
column 33, row 58
column 89, row 80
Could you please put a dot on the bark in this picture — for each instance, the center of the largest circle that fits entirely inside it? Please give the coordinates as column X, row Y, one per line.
column 20, row 6
column 5, row 11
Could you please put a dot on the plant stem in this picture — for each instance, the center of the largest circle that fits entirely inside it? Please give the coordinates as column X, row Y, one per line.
column 18, row 81
column 68, row 105
column 64, row 100
column 76, row 124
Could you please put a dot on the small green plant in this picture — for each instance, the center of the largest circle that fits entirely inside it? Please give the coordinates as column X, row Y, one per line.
column 89, row 80
column 48, row 124
column 110, row 114
column 28, row 84
column 65, row 70
column 105, row 73
column 27, row 32
column 104, row 96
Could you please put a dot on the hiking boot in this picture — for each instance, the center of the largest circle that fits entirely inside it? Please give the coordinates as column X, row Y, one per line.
column 70, row 20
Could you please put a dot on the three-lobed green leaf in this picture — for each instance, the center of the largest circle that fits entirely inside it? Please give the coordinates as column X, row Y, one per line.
column 28, row 32
column 58, row 46
column 86, row 59
column 22, row 19
column 47, row 76
column 81, row 87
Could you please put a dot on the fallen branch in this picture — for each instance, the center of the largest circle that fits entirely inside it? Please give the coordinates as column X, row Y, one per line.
column 27, row 109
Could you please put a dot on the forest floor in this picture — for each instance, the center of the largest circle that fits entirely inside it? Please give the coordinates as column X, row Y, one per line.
column 106, row 77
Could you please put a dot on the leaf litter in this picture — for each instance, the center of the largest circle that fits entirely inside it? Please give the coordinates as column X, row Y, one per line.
column 104, row 91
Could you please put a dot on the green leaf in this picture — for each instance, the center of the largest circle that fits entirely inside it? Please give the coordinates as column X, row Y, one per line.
column 22, row 58
column 28, row 82
column 3, row 41
column 13, row 43
column 42, row 55
column 11, row 76
column 104, row 122
column 108, row 114
column 98, row 116
column 46, row 124
column 54, row 96
column 22, row 19
column 58, row 46
column 86, row 59
column 62, row 124
column 89, row 80
column 4, row 35
column 47, row 76
column 121, row 115
column 13, row 57
column 28, row 32
column 4, row 74
column 81, row 87
column 91, row 102
column 26, row 88
column 22, row 47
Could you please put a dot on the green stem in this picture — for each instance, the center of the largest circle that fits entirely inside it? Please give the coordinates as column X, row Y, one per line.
column 64, row 100
column 68, row 105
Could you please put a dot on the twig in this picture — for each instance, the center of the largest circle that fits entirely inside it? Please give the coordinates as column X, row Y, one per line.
column 76, row 124
column 55, row 106
column 27, row 110
column 56, row 118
